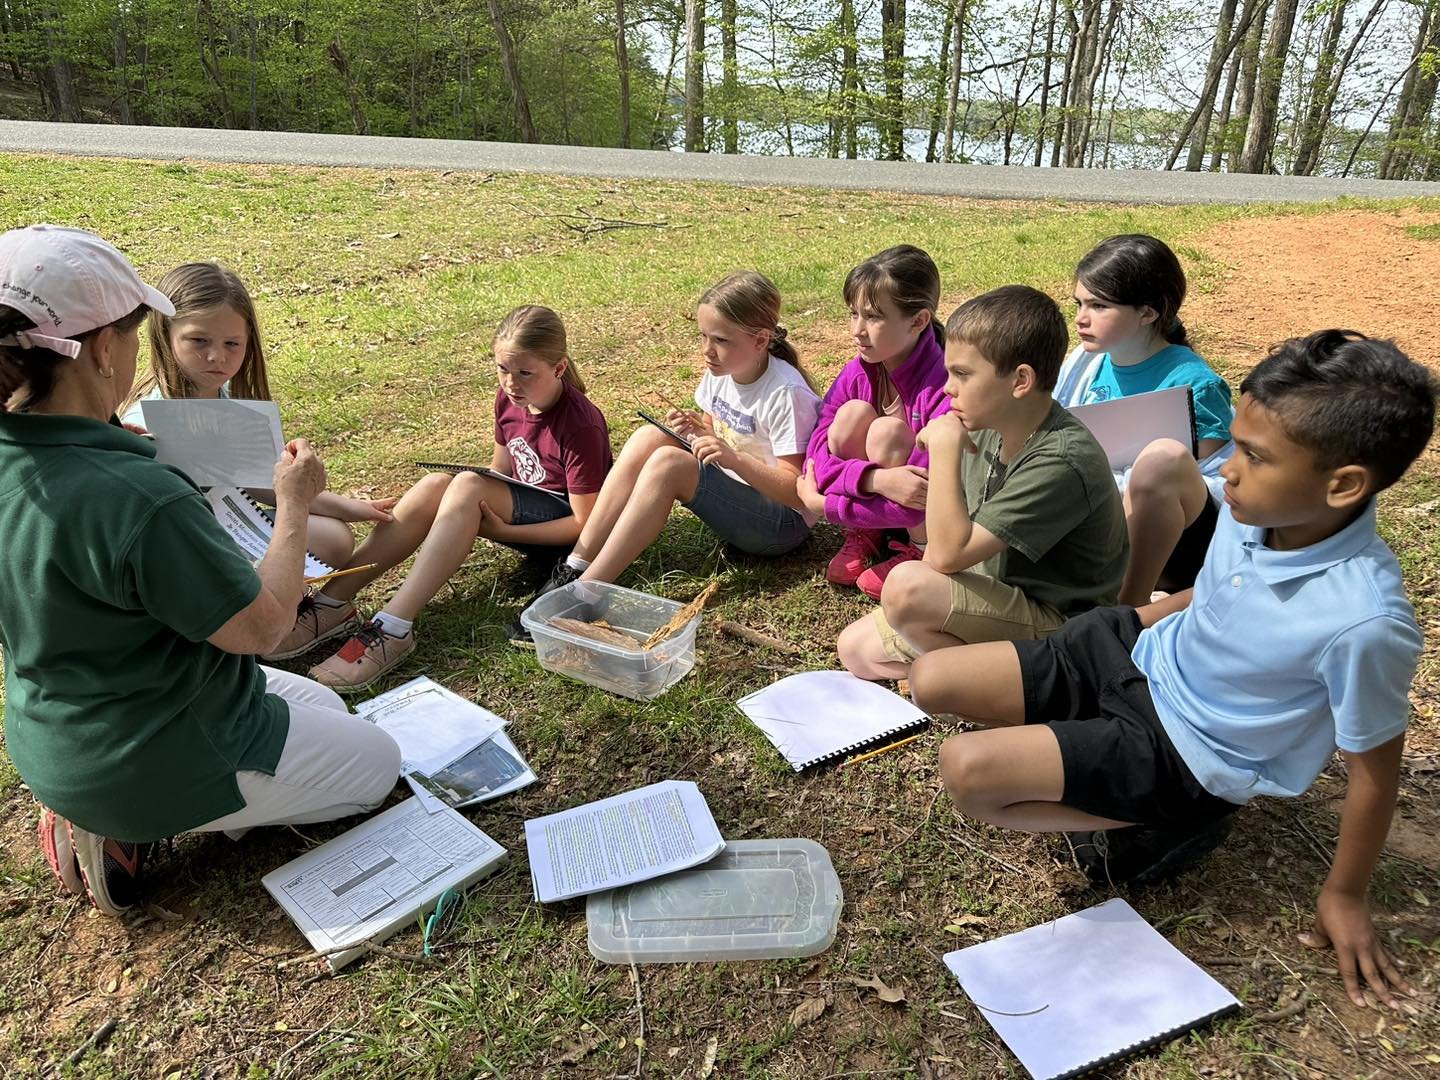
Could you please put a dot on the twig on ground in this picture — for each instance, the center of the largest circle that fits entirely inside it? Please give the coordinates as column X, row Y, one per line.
column 640, row 1012
column 755, row 637
column 1295, row 1008
column 989, row 855
column 94, row 1042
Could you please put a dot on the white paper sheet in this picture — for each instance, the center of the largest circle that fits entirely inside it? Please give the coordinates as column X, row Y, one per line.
column 1086, row 988
column 250, row 529
column 368, row 882
column 817, row 716
column 220, row 441
column 636, row 836
column 1124, row 426
column 455, row 753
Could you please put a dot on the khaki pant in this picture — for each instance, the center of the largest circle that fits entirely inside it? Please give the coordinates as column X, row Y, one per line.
column 334, row 764
column 981, row 609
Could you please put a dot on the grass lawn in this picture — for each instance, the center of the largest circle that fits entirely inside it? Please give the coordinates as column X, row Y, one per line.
column 378, row 293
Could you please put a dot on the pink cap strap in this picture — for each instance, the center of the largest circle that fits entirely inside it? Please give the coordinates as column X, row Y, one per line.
column 29, row 339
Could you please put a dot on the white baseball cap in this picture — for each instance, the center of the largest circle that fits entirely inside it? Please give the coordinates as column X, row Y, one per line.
column 68, row 281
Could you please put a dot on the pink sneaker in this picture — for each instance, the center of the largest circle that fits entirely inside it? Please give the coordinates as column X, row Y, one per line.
column 54, row 834
column 861, row 547
column 873, row 580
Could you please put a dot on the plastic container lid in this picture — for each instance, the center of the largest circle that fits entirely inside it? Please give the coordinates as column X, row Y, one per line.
column 756, row 900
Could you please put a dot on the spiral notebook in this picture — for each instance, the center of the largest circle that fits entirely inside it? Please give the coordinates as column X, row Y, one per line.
column 818, row 717
column 1086, row 990
column 482, row 470
column 252, row 528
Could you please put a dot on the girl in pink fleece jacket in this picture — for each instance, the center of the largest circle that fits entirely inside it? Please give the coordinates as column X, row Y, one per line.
column 864, row 471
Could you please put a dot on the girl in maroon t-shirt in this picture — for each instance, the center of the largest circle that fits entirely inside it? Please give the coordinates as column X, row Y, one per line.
column 548, row 436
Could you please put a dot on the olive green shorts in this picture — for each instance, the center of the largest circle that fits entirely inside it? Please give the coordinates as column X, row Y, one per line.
column 981, row 609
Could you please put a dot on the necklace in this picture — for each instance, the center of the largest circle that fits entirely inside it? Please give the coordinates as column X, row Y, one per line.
column 985, row 491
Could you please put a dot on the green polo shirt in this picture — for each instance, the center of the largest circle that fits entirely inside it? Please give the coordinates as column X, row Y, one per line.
column 119, row 715
column 1057, row 509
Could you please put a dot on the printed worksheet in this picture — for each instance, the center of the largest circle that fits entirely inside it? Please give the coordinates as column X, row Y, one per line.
column 220, row 441
column 636, row 836
column 250, row 528
column 370, row 881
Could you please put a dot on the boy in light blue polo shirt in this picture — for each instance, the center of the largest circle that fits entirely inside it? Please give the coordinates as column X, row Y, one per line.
column 1149, row 727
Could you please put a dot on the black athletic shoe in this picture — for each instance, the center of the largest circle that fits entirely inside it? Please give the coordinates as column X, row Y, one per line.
column 1141, row 856
column 562, row 575
column 517, row 635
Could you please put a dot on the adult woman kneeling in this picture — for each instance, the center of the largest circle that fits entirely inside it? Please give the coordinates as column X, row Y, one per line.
column 134, row 707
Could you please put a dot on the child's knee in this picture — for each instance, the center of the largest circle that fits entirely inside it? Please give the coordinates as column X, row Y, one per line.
column 645, row 440
column 330, row 540
column 889, row 442
column 907, row 588
column 930, row 682
column 670, row 464
column 960, row 770
column 848, row 429
column 1163, row 467
column 858, row 646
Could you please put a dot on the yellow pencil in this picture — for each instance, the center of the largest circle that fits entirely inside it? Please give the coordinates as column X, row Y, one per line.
column 339, row 573
column 882, row 750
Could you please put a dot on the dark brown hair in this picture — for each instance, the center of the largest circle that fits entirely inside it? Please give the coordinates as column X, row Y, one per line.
column 905, row 276
column 1014, row 325
column 1136, row 270
column 27, row 376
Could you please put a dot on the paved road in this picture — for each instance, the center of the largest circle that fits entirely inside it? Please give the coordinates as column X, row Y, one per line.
column 974, row 181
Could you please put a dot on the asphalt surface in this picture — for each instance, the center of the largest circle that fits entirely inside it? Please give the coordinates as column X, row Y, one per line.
column 972, row 181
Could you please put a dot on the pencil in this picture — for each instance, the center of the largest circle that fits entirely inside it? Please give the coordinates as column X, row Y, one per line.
column 339, row 573
column 882, row 750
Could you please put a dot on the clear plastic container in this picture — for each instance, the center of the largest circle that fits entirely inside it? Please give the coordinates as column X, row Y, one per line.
column 756, row 900
column 636, row 673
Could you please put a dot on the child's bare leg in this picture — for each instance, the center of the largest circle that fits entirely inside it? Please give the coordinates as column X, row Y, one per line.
column 618, row 486
column 979, row 683
column 392, row 542
column 916, row 602
column 448, row 544
column 846, row 437
column 669, row 475
column 863, row 652
column 329, row 540
column 1165, row 494
column 889, row 442
column 1013, row 777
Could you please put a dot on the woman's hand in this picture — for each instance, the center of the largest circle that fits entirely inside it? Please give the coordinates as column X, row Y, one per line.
column 1343, row 920
column 907, row 485
column 299, row 474
column 713, row 450
column 807, row 489
column 136, row 429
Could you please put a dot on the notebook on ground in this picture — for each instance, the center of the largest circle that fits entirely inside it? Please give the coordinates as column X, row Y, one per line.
column 1087, row 989
column 821, row 716
column 1124, row 426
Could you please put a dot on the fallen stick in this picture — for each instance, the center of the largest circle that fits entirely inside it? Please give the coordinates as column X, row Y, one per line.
column 755, row 637
column 95, row 1041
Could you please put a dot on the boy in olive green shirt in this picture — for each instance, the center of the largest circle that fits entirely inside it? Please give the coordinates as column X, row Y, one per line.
column 1024, row 525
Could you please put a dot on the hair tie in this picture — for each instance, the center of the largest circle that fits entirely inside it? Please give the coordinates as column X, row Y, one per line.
column 28, row 339
column 779, row 332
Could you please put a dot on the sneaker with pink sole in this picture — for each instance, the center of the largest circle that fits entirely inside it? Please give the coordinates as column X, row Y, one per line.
column 363, row 659
column 873, row 579
column 110, row 869
column 54, row 833
column 860, row 548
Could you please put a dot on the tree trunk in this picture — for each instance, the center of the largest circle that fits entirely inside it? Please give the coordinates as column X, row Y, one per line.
column 892, row 50
column 1245, row 89
column 1241, row 33
column 1067, row 77
column 729, row 77
column 1100, row 63
column 1317, row 122
column 210, row 59
column 956, row 58
column 1417, row 94
column 120, row 43
column 1260, row 130
column 622, row 65
column 252, row 60
column 512, row 75
column 1012, row 118
column 655, row 129
column 942, row 83
column 695, row 76
column 1218, row 52
column 849, row 76
column 1045, row 84
column 352, row 93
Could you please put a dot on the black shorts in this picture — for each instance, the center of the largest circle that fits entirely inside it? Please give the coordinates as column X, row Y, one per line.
column 1183, row 566
column 1118, row 761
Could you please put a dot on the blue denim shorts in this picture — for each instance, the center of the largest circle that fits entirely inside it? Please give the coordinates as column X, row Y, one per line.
column 530, row 507
column 742, row 516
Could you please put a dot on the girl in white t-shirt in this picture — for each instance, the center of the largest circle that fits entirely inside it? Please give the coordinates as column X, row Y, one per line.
column 746, row 445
